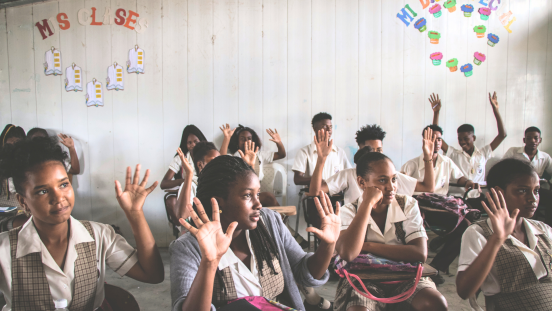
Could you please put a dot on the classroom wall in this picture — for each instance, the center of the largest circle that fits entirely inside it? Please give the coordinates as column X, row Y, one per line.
column 267, row 64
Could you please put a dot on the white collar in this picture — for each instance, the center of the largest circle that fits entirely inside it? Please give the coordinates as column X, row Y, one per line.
column 313, row 147
column 530, row 230
column 394, row 214
column 539, row 154
column 475, row 151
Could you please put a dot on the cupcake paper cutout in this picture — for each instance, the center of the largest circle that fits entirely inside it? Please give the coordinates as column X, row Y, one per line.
column 478, row 58
column 434, row 37
column 452, row 64
column 480, row 31
column 450, row 5
column 421, row 24
column 436, row 10
column 467, row 69
column 436, row 58
column 467, row 9
column 484, row 13
column 492, row 39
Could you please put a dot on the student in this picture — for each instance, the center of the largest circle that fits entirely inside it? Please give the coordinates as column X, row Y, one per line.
column 369, row 139
column 469, row 159
column 385, row 224
column 242, row 249
column 53, row 256
column 10, row 135
column 73, row 165
column 305, row 160
column 507, row 256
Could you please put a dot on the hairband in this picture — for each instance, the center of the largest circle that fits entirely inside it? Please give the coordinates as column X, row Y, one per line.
column 6, row 134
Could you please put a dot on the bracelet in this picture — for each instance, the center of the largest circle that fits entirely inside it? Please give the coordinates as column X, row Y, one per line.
column 430, row 160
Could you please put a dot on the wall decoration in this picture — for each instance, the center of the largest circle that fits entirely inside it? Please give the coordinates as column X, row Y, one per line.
column 452, row 64
column 421, row 24
column 450, row 5
column 492, row 39
column 484, row 13
column 73, row 78
column 506, row 22
column 436, row 10
column 115, row 79
column 405, row 16
column 135, row 63
column 467, row 9
column 436, row 58
column 478, row 58
column 467, row 69
column 480, row 31
column 94, row 95
column 52, row 62
column 434, row 37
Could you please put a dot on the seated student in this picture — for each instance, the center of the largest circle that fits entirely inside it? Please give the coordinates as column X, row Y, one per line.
column 53, row 256
column 507, row 256
column 73, row 165
column 240, row 249
column 385, row 224
column 369, row 139
column 305, row 160
column 469, row 159
column 10, row 135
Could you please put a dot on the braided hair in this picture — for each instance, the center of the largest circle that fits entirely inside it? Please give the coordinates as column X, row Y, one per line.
column 10, row 131
column 234, row 143
column 215, row 180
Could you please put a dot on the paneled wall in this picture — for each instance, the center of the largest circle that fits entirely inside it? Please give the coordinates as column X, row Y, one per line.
column 267, row 64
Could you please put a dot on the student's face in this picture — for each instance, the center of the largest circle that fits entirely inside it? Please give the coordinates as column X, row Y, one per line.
column 191, row 142
column 207, row 158
column 466, row 140
column 383, row 177
column 242, row 204
column 323, row 124
column 48, row 194
column 532, row 140
column 242, row 138
column 438, row 141
column 523, row 194
column 12, row 140
column 376, row 144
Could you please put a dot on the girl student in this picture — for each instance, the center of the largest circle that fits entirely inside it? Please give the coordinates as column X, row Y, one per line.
column 385, row 224
column 53, row 256
column 508, row 256
column 10, row 135
column 242, row 249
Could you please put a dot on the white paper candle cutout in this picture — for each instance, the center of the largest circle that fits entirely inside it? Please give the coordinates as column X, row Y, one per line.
column 52, row 62
column 115, row 77
column 73, row 78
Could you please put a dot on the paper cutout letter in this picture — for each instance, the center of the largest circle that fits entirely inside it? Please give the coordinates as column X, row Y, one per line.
column 43, row 27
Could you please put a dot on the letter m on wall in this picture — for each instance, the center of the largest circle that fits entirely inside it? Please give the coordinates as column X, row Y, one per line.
column 405, row 17
column 45, row 26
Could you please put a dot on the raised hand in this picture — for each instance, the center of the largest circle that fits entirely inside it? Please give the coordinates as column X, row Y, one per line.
column 185, row 164
column 493, row 100
column 330, row 225
column 133, row 197
column 275, row 137
column 503, row 224
column 372, row 195
column 213, row 242
column 249, row 156
column 435, row 102
column 323, row 143
column 227, row 131
column 428, row 144
column 67, row 141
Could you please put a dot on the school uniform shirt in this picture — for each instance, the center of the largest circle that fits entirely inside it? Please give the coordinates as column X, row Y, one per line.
column 305, row 161
column 176, row 166
column 263, row 157
column 111, row 250
column 115, row 78
column 346, row 180
column 52, row 62
column 73, row 79
column 192, row 194
column 472, row 167
column 541, row 162
column 412, row 222
column 473, row 242
column 135, row 61
column 445, row 172
column 94, row 95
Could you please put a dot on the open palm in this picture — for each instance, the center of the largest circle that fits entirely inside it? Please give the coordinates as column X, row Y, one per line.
column 323, row 143
column 330, row 225
column 503, row 224
column 250, row 153
column 134, row 195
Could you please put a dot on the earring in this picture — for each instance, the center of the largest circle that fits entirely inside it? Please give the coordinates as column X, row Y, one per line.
column 220, row 211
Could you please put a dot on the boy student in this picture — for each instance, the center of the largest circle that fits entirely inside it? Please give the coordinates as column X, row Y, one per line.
column 369, row 138
column 305, row 160
column 469, row 158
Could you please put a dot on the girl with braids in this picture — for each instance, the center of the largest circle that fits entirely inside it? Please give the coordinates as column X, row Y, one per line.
column 242, row 249
column 53, row 256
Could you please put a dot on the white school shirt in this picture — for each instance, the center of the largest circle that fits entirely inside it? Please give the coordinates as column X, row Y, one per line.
column 445, row 172
column 263, row 157
column 473, row 242
column 472, row 167
column 94, row 95
column 412, row 222
column 73, row 79
column 176, row 166
column 541, row 162
column 346, row 180
column 52, row 62
column 192, row 194
column 135, row 61
column 305, row 161
column 111, row 250
column 115, row 79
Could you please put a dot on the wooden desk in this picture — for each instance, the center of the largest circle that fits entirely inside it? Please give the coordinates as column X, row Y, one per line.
column 284, row 210
column 395, row 276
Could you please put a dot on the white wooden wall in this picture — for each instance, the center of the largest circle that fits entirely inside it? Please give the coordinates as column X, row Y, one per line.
column 267, row 63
